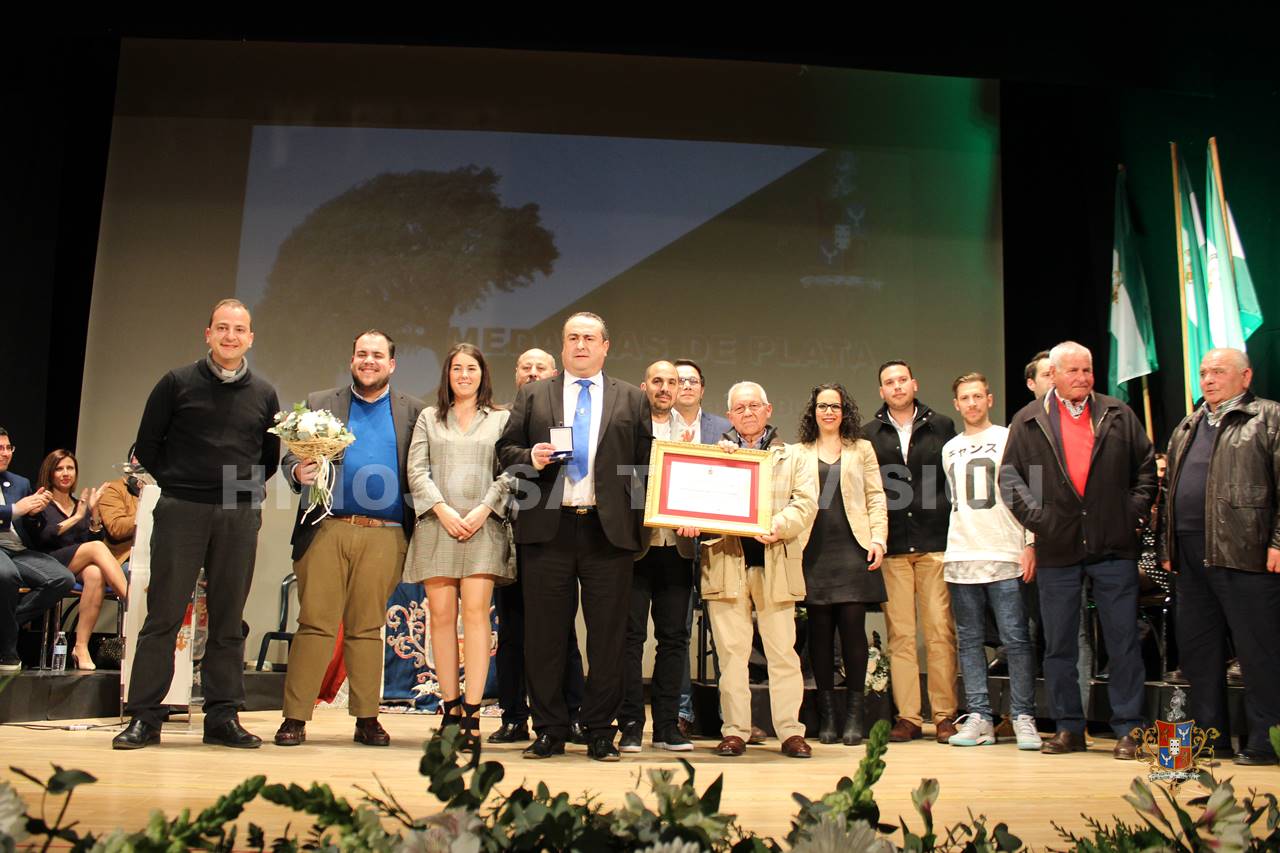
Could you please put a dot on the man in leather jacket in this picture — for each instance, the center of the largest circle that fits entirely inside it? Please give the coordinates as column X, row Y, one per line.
column 1222, row 535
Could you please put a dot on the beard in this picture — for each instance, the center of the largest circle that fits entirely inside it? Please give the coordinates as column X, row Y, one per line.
column 367, row 388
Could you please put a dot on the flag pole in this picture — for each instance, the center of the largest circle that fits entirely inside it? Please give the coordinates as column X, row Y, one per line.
column 1182, row 280
column 1222, row 204
column 1146, row 406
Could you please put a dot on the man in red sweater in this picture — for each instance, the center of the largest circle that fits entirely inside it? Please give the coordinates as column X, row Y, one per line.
column 1079, row 472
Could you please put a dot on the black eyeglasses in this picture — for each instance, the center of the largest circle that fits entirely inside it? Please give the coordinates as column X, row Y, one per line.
column 7, row 448
column 828, row 407
column 689, row 380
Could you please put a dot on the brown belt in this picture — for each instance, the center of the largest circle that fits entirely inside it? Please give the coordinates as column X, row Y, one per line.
column 365, row 521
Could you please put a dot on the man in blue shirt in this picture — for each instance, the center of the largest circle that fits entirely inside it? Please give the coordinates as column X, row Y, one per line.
column 348, row 564
column 45, row 578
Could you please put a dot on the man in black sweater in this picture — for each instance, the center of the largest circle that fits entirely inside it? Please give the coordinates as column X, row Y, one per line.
column 908, row 438
column 204, row 437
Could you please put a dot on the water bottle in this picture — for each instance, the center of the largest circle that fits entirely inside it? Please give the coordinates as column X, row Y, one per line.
column 60, row 652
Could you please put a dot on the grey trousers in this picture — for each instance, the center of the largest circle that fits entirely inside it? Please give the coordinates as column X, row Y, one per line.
column 187, row 536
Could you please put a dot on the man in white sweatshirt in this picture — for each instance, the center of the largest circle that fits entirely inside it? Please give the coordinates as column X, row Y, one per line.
column 986, row 560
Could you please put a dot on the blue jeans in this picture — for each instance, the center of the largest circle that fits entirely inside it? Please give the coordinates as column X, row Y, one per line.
column 1115, row 593
column 969, row 607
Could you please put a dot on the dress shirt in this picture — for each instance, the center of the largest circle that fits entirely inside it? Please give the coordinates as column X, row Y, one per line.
column 668, row 430
column 680, row 429
column 583, row 492
column 904, row 432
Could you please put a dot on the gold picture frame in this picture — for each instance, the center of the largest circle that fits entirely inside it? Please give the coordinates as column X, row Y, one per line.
column 716, row 491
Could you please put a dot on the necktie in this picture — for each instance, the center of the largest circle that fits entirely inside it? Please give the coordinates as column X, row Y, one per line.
column 581, row 432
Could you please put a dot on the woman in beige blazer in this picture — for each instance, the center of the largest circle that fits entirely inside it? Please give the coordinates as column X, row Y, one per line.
column 842, row 557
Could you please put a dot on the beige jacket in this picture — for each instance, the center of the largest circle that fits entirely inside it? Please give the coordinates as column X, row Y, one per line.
column 795, row 501
column 860, row 488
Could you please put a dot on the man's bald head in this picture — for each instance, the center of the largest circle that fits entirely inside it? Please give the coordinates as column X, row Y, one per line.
column 660, row 383
column 533, row 365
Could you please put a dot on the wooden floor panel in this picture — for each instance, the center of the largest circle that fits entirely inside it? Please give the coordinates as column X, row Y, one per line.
column 1025, row 789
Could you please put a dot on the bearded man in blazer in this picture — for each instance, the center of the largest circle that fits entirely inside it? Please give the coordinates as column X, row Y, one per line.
column 348, row 564
column 580, row 523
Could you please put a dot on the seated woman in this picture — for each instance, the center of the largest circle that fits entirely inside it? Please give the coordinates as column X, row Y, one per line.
column 70, row 531
column 842, row 558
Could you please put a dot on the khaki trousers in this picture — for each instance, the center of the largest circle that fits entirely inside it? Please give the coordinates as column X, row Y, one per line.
column 344, row 578
column 731, row 624
column 915, row 581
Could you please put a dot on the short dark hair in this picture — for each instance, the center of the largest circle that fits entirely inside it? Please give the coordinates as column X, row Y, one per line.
column 894, row 363
column 969, row 377
column 391, row 344
column 604, row 330
column 229, row 303
column 688, row 362
column 1033, row 366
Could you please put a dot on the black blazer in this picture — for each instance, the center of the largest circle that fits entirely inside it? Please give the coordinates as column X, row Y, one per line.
column 404, row 415
column 626, row 436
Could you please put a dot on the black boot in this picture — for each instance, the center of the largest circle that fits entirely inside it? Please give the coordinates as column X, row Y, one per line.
column 853, row 725
column 827, row 716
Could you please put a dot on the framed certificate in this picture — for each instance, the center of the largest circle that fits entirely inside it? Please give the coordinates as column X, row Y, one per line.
column 700, row 485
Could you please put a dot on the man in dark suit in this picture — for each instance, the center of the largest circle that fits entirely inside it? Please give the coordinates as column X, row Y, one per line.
column 579, row 523
column 348, row 564
column 45, row 578
column 531, row 366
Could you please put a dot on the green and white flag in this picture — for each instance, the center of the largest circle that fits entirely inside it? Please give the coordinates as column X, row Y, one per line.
column 1234, row 313
column 1191, row 241
column 1133, row 345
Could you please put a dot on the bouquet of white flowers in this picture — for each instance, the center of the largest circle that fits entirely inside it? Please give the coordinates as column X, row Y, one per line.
column 314, row 437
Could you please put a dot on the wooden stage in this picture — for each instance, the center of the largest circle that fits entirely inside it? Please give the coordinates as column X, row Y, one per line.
column 1025, row 789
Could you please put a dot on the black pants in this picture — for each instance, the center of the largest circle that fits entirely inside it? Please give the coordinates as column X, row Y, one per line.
column 1115, row 592
column 46, row 578
column 579, row 554
column 662, row 582
column 188, row 535
column 512, row 687
column 1211, row 600
column 851, row 620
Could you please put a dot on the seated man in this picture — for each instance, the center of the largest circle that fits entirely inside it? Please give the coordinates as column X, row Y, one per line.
column 46, row 580
column 118, row 507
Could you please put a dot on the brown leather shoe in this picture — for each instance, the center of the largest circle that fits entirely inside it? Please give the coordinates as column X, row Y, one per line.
column 371, row 733
column 905, row 730
column 795, row 747
column 757, row 737
column 731, row 747
column 1063, row 742
column 1126, row 749
column 946, row 727
column 291, row 732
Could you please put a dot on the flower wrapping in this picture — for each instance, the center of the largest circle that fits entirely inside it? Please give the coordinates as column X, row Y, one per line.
column 315, row 436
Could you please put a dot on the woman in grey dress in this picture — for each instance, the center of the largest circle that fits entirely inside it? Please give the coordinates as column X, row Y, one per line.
column 460, row 549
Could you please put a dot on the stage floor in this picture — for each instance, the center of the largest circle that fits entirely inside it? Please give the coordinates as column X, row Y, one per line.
column 1027, row 790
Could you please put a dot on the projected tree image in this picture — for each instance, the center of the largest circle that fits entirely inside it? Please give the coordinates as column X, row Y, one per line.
column 404, row 250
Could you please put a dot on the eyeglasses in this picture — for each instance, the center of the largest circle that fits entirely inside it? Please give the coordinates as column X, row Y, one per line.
column 749, row 407
column 828, row 407
column 7, row 448
column 689, row 380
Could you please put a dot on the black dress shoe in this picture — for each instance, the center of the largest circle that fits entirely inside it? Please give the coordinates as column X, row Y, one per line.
column 231, row 734
column 578, row 734
column 510, row 733
column 601, row 748
column 1255, row 757
column 137, row 735
column 544, row 747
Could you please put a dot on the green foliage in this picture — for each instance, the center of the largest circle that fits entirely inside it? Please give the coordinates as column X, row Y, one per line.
column 477, row 818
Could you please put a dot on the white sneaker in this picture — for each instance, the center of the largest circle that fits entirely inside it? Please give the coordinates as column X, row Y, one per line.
column 973, row 730
column 1024, row 729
